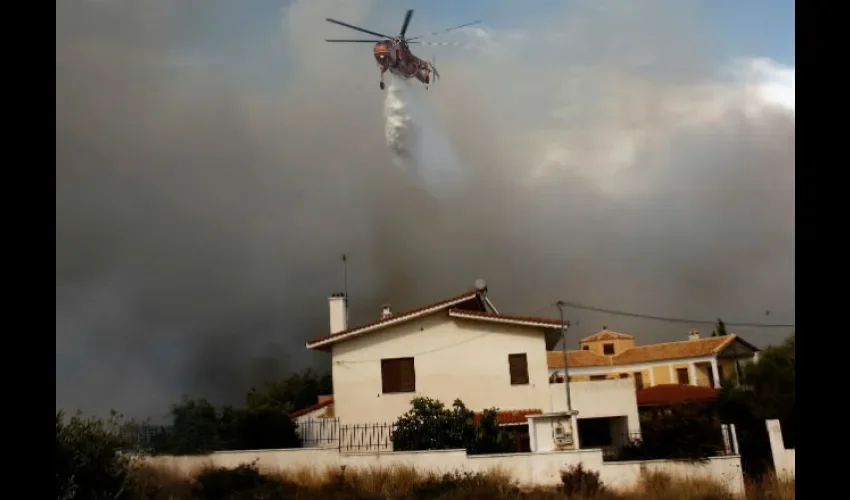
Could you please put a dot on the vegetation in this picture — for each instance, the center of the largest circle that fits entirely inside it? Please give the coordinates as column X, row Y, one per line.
column 681, row 433
column 87, row 462
column 768, row 391
column 404, row 483
column 262, row 422
column 429, row 425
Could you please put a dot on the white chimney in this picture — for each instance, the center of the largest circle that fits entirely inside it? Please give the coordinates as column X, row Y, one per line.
column 693, row 335
column 338, row 314
column 386, row 312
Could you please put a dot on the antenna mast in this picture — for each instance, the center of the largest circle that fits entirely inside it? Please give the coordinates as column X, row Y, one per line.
column 345, row 284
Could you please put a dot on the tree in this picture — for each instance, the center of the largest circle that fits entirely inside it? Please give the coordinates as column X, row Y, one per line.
column 195, row 427
column 257, row 428
column 768, row 391
column 719, row 329
column 87, row 461
column 298, row 390
column 429, row 425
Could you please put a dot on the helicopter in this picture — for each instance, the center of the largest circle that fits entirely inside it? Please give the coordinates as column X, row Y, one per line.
column 393, row 53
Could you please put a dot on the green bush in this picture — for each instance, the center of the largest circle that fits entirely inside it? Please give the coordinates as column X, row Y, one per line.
column 243, row 482
column 88, row 460
column 429, row 425
column 579, row 482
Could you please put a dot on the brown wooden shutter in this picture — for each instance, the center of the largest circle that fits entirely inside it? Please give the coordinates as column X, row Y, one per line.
column 518, row 365
column 398, row 375
column 638, row 380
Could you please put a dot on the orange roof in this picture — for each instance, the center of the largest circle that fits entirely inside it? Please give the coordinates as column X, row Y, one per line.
column 312, row 408
column 646, row 353
column 396, row 318
column 665, row 394
column 506, row 417
column 607, row 335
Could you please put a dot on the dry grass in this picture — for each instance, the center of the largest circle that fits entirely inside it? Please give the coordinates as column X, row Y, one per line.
column 406, row 483
column 770, row 487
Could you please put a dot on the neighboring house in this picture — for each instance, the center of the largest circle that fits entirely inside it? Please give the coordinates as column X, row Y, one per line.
column 316, row 424
column 458, row 348
column 696, row 361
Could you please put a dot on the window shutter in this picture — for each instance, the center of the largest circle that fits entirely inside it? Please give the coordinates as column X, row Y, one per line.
column 518, row 366
column 398, row 375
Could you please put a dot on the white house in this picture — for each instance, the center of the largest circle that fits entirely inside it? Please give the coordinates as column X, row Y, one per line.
column 458, row 348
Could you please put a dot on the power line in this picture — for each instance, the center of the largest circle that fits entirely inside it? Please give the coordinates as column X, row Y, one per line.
column 616, row 312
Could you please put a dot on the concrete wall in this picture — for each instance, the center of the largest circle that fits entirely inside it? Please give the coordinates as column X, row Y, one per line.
column 783, row 458
column 601, row 398
column 541, row 469
column 452, row 358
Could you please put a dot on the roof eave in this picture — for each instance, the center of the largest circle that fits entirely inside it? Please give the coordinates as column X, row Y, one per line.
column 402, row 318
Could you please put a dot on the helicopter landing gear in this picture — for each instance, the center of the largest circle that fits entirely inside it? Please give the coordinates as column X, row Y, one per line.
column 381, row 84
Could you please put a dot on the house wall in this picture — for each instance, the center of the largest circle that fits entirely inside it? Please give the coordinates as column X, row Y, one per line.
column 783, row 458
column 599, row 398
column 597, row 346
column 654, row 373
column 541, row 469
column 453, row 359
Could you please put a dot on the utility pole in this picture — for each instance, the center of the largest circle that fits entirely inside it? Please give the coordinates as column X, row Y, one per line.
column 564, row 327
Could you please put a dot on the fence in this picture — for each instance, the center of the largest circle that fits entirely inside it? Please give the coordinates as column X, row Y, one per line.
column 647, row 446
column 328, row 432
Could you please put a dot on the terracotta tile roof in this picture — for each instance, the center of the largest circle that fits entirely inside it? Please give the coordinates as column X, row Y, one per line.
column 607, row 335
column 309, row 409
column 404, row 316
column 506, row 417
column 666, row 394
column 646, row 353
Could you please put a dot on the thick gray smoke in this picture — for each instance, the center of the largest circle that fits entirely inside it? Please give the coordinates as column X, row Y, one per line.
column 213, row 162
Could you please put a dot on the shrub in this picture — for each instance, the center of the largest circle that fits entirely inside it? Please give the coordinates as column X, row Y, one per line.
column 244, row 481
column 87, row 459
column 579, row 482
column 429, row 425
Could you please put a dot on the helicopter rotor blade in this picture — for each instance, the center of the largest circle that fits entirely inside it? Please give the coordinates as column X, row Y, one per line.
column 357, row 28
column 442, row 44
column 404, row 25
column 445, row 31
column 347, row 40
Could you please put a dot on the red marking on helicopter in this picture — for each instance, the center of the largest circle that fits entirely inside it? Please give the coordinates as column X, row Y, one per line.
column 393, row 54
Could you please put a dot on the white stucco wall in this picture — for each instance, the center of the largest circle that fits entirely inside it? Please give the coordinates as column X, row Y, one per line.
column 783, row 458
column 542, row 469
column 453, row 359
column 598, row 399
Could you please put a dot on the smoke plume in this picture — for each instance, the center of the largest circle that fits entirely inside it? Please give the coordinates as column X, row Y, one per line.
column 214, row 159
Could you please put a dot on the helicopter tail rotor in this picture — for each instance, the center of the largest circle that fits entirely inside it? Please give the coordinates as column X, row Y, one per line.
column 433, row 64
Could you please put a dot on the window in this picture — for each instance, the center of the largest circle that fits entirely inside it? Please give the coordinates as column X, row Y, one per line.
column 682, row 375
column 608, row 349
column 598, row 377
column 398, row 375
column 638, row 380
column 624, row 375
column 518, row 365
column 710, row 377
column 720, row 372
column 585, row 348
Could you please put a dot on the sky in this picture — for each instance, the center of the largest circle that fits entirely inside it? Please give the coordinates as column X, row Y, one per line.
column 215, row 158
